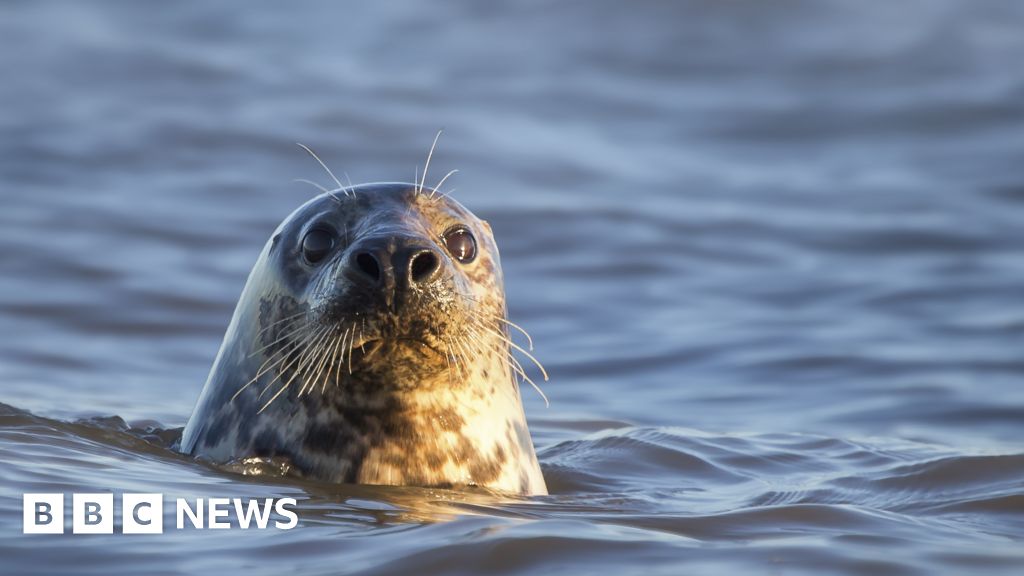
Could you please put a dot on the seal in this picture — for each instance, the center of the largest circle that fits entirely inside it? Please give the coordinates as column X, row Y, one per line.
column 371, row 345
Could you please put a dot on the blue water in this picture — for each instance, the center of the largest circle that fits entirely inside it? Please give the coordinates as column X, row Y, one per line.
column 772, row 255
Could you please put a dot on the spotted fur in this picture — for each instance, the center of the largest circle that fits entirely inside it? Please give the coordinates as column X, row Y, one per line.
column 436, row 403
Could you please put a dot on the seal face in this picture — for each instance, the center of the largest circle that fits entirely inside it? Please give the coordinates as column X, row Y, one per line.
column 371, row 345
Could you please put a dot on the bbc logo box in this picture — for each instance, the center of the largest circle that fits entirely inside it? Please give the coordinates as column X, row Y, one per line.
column 43, row 514
column 93, row 514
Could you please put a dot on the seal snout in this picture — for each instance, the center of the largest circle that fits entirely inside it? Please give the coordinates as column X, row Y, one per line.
column 391, row 266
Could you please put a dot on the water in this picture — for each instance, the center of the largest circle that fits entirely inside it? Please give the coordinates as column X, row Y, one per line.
column 770, row 253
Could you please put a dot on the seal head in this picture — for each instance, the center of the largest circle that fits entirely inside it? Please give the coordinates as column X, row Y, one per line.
column 371, row 345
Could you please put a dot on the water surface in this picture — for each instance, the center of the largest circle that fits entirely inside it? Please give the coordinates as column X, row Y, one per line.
column 770, row 253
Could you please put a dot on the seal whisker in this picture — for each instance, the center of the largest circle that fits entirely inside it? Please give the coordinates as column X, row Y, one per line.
column 351, row 346
column 520, row 349
column 331, row 174
column 268, row 365
column 448, row 361
column 521, row 330
column 476, row 344
column 512, row 363
column 290, row 347
column 301, row 368
column 323, row 348
column 322, row 189
column 447, row 194
column 481, row 317
column 262, row 370
column 482, row 321
column 437, row 187
column 286, row 336
column 278, row 321
column 487, row 316
column 470, row 326
column 272, row 361
column 298, row 351
column 272, row 398
column 274, row 357
column 426, row 165
column 345, row 348
column 472, row 343
column 309, row 371
column 316, row 185
column 340, row 360
column 296, row 361
column 325, row 356
column 351, row 187
column 480, row 339
column 333, row 363
column 287, row 331
column 321, row 371
column 303, row 380
column 330, row 355
column 455, row 357
column 465, row 353
column 519, row 369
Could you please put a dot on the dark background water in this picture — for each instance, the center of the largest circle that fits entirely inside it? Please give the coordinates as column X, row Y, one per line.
column 772, row 254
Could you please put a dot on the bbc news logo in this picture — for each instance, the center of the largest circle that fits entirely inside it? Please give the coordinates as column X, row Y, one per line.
column 144, row 513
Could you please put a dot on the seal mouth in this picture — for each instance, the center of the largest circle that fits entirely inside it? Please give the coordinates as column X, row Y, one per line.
column 387, row 338
column 372, row 347
column 369, row 347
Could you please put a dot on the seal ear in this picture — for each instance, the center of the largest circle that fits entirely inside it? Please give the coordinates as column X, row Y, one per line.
column 487, row 227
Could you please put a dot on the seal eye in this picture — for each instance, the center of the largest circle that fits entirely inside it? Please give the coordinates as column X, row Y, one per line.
column 461, row 244
column 317, row 244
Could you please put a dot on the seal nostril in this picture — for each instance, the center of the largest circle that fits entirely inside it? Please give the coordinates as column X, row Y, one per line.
column 423, row 266
column 368, row 265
